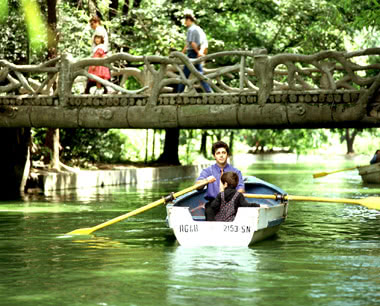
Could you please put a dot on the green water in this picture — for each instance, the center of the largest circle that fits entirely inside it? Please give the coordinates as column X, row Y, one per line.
column 325, row 254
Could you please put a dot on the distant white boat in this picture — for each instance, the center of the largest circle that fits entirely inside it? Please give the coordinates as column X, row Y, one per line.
column 252, row 224
column 370, row 173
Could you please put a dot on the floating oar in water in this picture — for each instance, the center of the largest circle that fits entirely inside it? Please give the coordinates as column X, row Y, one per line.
column 322, row 174
column 172, row 196
column 370, row 202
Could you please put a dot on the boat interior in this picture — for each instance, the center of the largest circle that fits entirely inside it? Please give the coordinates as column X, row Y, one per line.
column 196, row 199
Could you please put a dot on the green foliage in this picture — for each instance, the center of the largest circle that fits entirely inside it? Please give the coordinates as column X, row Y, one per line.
column 75, row 31
column 94, row 145
column 298, row 141
column 3, row 10
column 86, row 145
column 36, row 27
column 14, row 43
column 24, row 38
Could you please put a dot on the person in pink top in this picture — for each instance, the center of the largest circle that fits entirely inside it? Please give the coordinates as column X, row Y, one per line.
column 99, row 51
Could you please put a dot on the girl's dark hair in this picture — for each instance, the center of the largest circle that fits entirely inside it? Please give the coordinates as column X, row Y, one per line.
column 220, row 144
column 231, row 178
column 102, row 38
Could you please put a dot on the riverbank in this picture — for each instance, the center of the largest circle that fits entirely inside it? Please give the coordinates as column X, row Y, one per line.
column 44, row 181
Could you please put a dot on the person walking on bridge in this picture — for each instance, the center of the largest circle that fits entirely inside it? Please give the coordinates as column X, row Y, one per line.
column 196, row 46
column 96, row 25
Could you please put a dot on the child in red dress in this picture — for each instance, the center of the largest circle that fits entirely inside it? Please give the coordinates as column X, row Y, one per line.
column 100, row 71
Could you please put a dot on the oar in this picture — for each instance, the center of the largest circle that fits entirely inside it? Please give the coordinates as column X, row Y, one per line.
column 172, row 196
column 322, row 174
column 370, row 202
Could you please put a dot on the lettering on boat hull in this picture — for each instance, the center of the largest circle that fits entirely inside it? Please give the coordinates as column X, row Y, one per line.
column 188, row 228
column 237, row 228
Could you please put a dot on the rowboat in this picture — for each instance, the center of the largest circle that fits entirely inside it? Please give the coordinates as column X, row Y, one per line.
column 370, row 173
column 186, row 218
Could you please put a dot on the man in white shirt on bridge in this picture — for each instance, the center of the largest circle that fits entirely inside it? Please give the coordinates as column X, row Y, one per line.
column 196, row 46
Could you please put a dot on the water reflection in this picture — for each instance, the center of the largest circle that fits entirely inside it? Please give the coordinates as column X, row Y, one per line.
column 210, row 271
column 324, row 254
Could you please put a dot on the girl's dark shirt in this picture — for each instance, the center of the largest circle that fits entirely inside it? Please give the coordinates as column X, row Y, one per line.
column 229, row 192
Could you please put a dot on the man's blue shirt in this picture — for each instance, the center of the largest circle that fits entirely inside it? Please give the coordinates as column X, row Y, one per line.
column 215, row 171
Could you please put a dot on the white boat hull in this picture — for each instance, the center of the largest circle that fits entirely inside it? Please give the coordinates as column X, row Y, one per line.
column 251, row 224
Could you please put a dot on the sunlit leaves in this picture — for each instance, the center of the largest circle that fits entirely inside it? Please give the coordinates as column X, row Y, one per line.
column 3, row 10
column 37, row 29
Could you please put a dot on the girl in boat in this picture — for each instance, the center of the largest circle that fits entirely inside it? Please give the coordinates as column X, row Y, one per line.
column 99, row 51
column 224, row 207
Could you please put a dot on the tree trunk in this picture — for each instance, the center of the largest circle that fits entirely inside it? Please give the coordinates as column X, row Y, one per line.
column 52, row 143
column 170, row 154
column 350, row 140
column 203, row 149
column 52, row 135
column 188, row 145
column 153, row 145
column 52, row 29
column 14, row 161
column 231, row 145
column 92, row 8
column 146, row 145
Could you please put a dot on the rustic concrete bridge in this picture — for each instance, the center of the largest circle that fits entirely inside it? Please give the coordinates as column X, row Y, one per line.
column 254, row 90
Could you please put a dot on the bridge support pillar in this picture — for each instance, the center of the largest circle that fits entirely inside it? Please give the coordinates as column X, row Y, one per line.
column 65, row 81
column 264, row 73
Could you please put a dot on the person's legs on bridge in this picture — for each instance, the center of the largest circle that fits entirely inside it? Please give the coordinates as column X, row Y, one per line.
column 186, row 71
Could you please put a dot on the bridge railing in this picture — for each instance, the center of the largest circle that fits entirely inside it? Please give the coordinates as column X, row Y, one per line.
column 321, row 72
column 162, row 74
column 253, row 72
column 29, row 79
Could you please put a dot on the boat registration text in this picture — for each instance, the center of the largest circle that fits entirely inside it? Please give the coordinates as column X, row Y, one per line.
column 192, row 228
column 188, row 228
column 237, row 228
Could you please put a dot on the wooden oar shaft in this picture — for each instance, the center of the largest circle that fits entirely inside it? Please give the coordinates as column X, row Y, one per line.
column 320, row 199
column 322, row 174
column 147, row 207
column 317, row 199
column 87, row 231
column 130, row 214
column 304, row 198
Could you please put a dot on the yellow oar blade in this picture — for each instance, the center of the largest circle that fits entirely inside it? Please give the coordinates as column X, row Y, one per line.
column 89, row 230
column 371, row 202
column 81, row 231
column 321, row 174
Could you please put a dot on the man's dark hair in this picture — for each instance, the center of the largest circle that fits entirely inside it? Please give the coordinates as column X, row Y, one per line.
column 95, row 19
column 231, row 178
column 190, row 16
column 220, row 144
